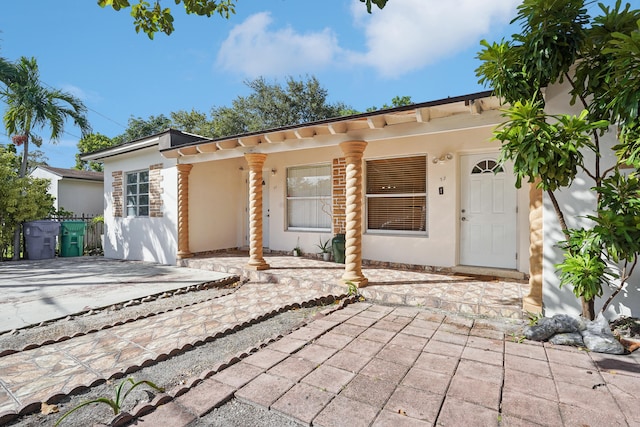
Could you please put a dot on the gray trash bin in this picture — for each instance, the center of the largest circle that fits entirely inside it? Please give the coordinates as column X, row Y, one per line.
column 40, row 239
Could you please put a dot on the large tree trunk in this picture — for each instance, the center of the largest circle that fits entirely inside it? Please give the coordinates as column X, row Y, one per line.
column 16, row 243
column 588, row 309
column 23, row 173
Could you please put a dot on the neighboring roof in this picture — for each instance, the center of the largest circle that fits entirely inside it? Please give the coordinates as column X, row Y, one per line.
column 74, row 173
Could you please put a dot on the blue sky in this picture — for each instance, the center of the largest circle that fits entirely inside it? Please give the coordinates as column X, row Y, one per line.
column 421, row 48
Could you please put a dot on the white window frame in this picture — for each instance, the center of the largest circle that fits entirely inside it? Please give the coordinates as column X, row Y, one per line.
column 328, row 197
column 368, row 197
column 137, row 205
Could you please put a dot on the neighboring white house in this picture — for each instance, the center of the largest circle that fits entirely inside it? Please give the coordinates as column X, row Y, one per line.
column 417, row 185
column 77, row 191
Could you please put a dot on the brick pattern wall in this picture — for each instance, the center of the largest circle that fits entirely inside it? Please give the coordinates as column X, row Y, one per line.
column 117, row 193
column 339, row 172
column 155, row 191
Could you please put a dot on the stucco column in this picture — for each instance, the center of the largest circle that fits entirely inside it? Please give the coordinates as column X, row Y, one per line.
column 533, row 302
column 256, row 260
column 183, row 211
column 353, row 151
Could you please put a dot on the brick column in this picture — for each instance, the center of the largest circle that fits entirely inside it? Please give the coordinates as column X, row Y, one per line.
column 117, row 193
column 183, row 211
column 533, row 302
column 353, row 151
column 339, row 173
column 256, row 260
column 155, row 191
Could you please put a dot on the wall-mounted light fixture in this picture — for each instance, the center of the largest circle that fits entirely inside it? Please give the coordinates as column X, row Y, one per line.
column 274, row 171
column 442, row 159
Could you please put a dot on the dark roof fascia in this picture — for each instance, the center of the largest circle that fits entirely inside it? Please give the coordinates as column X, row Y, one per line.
column 121, row 148
column 74, row 173
column 443, row 101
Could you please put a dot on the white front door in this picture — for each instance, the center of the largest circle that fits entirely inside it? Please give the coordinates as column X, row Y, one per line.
column 266, row 213
column 487, row 212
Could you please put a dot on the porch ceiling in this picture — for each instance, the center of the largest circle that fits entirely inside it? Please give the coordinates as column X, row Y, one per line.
column 439, row 116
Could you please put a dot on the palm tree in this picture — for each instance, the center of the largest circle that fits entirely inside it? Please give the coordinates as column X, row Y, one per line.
column 31, row 106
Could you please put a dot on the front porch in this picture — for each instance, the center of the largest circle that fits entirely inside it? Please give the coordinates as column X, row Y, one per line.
column 467, row 295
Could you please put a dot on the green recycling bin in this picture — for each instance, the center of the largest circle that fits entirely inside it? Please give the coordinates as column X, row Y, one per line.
column 337, row 244
column 72, row 238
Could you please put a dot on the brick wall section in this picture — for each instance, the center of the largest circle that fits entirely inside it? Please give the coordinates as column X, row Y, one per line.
column 339, row 172
column 116, row 193
column 155, row 191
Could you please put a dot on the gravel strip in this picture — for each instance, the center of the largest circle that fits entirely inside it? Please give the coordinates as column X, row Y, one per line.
column 179, row 370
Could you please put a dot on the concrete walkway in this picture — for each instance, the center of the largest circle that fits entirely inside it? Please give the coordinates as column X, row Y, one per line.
column 37, row 291
column 364, row 364
column 386, row 366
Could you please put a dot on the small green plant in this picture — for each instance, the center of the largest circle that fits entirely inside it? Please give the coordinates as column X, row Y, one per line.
column 534, row 318
column 325, row 247
column 352, row 289
column 98, row 219
column 518, row 338
column 115, row 404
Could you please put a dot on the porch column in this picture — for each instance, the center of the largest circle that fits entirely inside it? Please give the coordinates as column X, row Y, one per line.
column 533, row 302
column 256, row 260
column 183, row 211
column 353, row 151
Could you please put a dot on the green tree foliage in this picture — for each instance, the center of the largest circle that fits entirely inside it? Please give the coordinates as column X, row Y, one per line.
column 32, row 106
column 89, row 144
column 139, row 128
column 599, row 57
column 193, row 121
column 153, row 18
column 21, row 198
column 396, row 101
column 271, row 105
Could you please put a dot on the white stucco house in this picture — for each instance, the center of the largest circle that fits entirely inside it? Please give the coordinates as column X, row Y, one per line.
column 80, row 192
column 417, row 185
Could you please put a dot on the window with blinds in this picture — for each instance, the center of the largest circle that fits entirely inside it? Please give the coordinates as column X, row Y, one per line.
column 396, row 195
column 309, row 197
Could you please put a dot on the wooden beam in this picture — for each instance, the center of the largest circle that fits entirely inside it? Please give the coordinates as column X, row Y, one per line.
column 337, row 128
column 304, row 133
column 228, row 144
column 249, row 141
column 188, row 151
column 423, row 115
column 274, row 138
column 208, row 148
column 377, row 122
column 173, row 154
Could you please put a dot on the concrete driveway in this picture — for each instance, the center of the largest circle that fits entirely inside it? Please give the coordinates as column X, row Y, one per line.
column 35, row 291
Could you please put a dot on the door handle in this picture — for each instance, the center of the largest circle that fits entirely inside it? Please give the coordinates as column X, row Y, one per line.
column 463, row 219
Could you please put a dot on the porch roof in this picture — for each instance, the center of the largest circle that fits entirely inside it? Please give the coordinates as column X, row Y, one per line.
column 448, row 114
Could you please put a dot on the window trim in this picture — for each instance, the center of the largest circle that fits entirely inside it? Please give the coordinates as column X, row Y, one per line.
column 290, row 198
column 367, row 197
column 137, row 205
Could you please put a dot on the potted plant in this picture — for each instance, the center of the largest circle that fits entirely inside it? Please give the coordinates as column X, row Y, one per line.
column 325, row 249
column 297, row 251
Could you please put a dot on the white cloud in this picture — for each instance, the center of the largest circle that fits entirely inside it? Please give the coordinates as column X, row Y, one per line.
column 410, row 34
column 253, row 49
column 405, row 36
column 85, row 96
